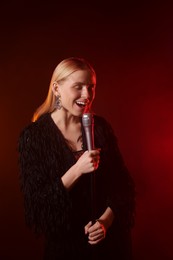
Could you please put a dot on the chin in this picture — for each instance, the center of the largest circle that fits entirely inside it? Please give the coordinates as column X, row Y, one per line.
column 77, row 114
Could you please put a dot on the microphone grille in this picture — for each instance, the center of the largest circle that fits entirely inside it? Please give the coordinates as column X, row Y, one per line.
column 87, row 119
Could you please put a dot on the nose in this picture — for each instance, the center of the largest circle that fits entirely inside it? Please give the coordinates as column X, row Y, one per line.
column 85, row 92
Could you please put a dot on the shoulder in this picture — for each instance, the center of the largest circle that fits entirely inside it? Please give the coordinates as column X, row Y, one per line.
column 35, row 131
column 38, row 125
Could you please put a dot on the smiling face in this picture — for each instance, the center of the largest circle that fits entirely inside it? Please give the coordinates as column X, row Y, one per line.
column 77, row 92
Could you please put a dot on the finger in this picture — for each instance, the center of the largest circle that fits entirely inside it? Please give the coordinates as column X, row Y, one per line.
column 94, row 242
column 94, row 153
column 95, row 165
column 96, row 158
column 95, row 239
column 101, row 225
column 86, row 228
column 97, row 232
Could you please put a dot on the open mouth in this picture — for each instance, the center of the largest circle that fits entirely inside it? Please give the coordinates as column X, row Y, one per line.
column 82, row 104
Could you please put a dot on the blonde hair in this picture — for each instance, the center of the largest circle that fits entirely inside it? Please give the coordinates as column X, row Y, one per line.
column 61, row 72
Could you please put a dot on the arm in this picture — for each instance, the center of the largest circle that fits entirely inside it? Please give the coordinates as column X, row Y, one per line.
column 46, row 201
column 107, row 218
column 84, row 165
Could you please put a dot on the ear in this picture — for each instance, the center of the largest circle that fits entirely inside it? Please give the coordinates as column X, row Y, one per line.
column 55, row 88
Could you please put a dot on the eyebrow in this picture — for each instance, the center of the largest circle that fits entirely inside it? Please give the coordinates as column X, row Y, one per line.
column 83, row 83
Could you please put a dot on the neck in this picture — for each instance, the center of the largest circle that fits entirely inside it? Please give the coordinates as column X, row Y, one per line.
column 65, row 120
column 70, row 127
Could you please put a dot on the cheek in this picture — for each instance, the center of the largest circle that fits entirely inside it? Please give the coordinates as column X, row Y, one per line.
column 66, row 98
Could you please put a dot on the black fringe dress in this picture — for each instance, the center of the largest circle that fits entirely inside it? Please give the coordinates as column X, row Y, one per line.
column 61, row 215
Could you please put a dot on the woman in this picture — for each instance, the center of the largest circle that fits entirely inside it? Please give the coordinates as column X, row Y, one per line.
column 56, row 170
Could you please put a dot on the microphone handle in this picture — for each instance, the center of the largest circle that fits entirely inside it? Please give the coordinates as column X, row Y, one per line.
column 90, row 144
column 89, row 138
column 89, row 134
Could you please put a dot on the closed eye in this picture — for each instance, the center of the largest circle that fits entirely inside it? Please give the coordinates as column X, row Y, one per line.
column 79, row 87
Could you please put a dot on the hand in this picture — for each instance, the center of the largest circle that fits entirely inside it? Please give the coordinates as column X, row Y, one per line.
column 95, row 232
column 89, row 161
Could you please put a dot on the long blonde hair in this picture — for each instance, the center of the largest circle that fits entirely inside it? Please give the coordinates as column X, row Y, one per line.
column 62, row 71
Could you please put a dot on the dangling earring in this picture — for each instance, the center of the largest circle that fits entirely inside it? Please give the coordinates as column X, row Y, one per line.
column 58, row 104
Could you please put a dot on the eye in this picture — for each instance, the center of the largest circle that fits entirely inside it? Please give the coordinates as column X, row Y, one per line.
column 78, row 87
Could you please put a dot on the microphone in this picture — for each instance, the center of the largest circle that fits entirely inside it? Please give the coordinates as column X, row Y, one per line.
column 87, row 121
column 88, row 124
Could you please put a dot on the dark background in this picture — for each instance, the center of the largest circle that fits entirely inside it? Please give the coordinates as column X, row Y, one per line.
column 130, row 45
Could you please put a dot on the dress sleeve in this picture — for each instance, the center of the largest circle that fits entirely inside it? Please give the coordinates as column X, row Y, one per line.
column 46, row 201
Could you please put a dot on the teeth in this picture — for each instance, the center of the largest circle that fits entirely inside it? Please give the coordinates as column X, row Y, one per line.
column 81, row 103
